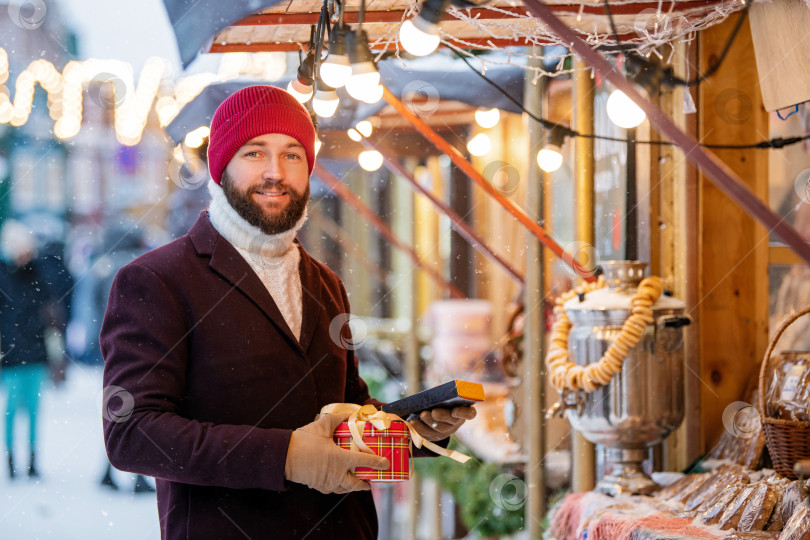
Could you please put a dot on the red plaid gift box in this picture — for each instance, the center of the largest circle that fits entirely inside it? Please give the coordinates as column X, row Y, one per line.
column 392, row 443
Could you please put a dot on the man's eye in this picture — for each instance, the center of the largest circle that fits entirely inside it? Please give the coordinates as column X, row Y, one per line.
column 252, row 154
column 293, row 156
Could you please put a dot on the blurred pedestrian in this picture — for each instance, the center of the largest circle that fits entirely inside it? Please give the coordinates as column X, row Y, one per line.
column 23, row 324
column 123, row 242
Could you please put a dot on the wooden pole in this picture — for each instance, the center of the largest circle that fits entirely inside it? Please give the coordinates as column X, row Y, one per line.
column 534, row 327
column 584, row 451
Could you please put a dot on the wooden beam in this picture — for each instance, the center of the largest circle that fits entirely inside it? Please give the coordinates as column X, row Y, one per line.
column 484, row 14
column 463, row 43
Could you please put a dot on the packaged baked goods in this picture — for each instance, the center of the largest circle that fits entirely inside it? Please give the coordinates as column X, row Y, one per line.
column 758, row 510
column 789, row 386
column 710, row 490
column 713, row 514
column 680, row 490
column 734, row 511
column 798, row 526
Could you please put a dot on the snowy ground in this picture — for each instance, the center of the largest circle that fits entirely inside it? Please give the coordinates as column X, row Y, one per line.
column 68, row 503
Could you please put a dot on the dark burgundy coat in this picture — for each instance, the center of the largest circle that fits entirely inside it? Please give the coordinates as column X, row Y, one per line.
column 217, row 383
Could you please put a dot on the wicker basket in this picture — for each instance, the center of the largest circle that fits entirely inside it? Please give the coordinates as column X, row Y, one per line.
column 788, row 441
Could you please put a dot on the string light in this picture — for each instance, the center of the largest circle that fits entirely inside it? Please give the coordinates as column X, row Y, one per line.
column 365, row 80
column 550, row 158
column 195, row 138
column 354, row 135
column 623, row 111
column 487, row 119
column 302, row 86
column 420, row 35
column 336, row 69
column 479, row 145
column 364, row 127
column 370, row 160
column 326, row 100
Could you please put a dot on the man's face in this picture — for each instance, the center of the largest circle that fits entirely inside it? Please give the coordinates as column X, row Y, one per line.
column 267, row 182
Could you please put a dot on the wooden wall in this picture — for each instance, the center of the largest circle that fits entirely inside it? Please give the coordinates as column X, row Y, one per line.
column 732, row 304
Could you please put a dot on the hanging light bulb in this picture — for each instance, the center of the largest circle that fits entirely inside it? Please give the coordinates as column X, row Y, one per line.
column 374, row 95
column 336, row 70
column 487, row 119
column 623, row 111
column 479, row 145
column 420, row 35
column 550, row 157
column 364, row 127
column 365, row 80
column 370, row 160
column 326, row 100
column 301, row 87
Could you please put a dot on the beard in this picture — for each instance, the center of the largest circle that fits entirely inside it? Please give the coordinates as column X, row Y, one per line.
column 253, row 213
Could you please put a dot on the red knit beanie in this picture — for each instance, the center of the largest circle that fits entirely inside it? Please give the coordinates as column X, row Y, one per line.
column 254, row 111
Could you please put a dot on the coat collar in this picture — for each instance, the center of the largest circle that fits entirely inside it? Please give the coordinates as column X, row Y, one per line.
column 228, row 263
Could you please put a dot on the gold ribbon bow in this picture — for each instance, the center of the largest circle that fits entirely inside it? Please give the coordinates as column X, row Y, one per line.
column 360, row 414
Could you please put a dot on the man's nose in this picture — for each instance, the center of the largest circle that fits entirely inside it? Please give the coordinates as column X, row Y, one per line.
column 273, row 169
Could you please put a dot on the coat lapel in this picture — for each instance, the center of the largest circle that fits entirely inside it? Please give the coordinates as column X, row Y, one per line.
column 228, row 263
column 310, row 297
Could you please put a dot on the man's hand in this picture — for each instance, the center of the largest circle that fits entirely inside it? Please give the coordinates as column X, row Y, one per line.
column 314, row 459
column 439, row 424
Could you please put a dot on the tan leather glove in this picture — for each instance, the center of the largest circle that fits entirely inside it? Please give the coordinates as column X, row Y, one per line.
column 439, row 424
column 315, row 460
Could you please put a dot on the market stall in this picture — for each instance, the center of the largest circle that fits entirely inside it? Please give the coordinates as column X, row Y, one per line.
column 649, row 360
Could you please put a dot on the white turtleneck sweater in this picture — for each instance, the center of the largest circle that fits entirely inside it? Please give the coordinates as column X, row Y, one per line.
column 274, row 258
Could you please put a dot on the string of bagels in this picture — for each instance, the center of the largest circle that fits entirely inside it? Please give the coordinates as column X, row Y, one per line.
column 565, row 374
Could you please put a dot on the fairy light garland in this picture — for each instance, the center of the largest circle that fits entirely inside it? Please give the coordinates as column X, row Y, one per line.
column 564, row 373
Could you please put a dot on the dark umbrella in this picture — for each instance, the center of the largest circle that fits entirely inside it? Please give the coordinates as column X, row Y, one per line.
column 196, row 22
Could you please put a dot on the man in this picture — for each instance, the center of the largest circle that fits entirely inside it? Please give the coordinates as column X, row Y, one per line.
column 218, row 356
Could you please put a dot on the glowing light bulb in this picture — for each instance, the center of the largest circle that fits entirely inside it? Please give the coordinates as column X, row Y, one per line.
column 355, row 135
column 299, row 91
column 487, row 119
column 550, row 158
column 318, row 144
column 195, row 139
column 325, row 102
column 418, row 36
column 370, row 160
column 623, row 111
column 479, row 145
column 363, row 86
column 364, row 127
column 335, row 71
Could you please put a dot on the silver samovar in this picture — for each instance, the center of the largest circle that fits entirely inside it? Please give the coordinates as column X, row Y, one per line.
column 644, row 402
